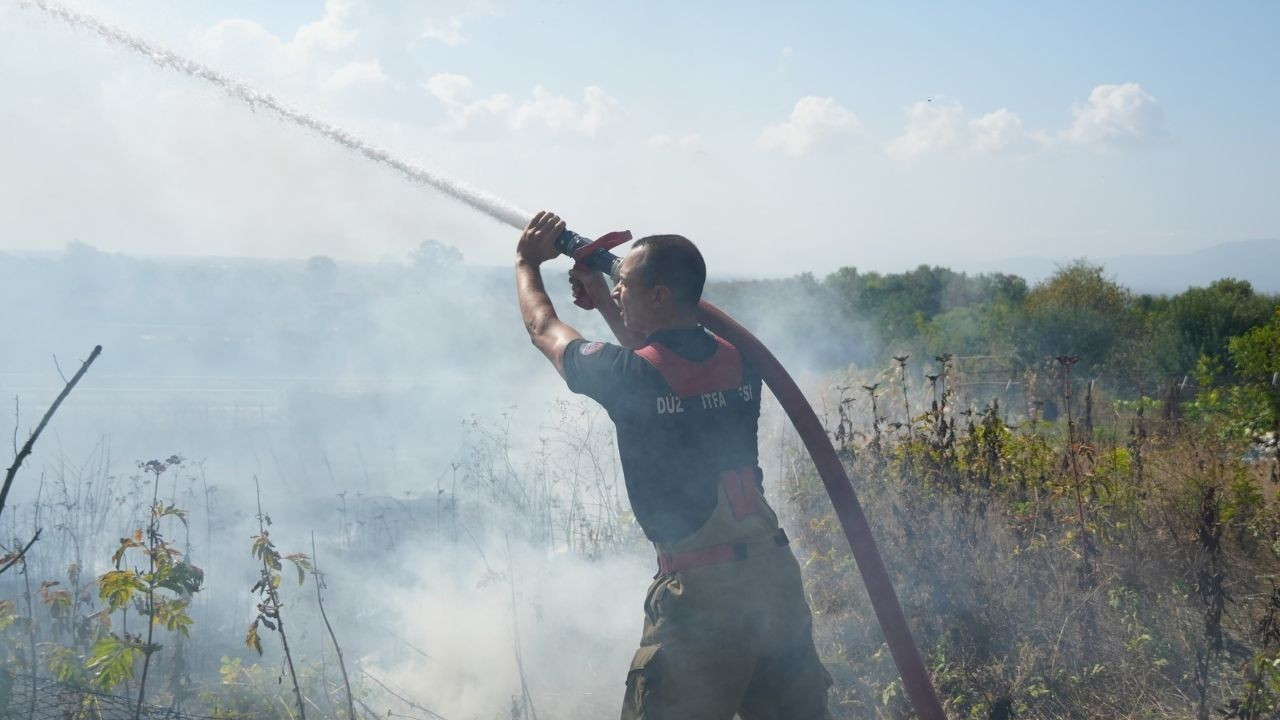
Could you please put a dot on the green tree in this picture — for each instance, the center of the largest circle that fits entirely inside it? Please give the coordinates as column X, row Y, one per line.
column 978, row 318
column 1078, row 311
column 1205, row 318
column 1256, row 356
column 432, row 257
column 901, row 307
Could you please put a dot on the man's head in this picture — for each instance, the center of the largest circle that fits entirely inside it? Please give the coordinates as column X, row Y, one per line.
column 660, row 283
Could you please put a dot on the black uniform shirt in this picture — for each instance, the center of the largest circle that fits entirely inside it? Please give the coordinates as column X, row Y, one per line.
column 672, row 450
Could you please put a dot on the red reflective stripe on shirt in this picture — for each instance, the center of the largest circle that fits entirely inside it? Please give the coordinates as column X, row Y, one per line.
column 721, row 371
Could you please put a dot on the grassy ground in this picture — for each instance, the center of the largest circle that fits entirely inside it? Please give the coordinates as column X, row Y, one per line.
column 1054, row 569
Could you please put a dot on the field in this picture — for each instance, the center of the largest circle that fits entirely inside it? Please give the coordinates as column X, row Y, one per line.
column 306, row 526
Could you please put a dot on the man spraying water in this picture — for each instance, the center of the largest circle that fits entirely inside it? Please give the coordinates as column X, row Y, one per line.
column 668, row 657
column 727, row 629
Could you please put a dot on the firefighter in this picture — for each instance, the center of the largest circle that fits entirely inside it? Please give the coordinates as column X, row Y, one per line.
column 727, row 629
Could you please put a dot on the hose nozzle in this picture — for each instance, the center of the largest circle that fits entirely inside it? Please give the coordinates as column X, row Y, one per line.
column 594, row 253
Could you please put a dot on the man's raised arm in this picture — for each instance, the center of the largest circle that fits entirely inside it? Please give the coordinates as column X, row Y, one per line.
column 536, row 246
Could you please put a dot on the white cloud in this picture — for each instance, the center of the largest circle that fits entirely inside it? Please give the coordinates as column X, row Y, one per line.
column 931, row 127
column 445, row 24
column 243, row 39
column 813, row 119
column 367, row 72
column 1117, row 115
column 997, row 131
column 594, row 116
column 448, row 88
column 603, row 112
column 1114, row 115
column 319, row 55
column 333, row 30
column 942, row 125
column 352, row 44
column 552, row 112
column 447, row 30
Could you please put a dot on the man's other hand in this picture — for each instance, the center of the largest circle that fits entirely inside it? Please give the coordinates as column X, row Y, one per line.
column 538, row 241
column 592, row 283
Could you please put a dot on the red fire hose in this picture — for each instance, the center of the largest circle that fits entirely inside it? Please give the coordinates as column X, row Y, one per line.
column 915, row 679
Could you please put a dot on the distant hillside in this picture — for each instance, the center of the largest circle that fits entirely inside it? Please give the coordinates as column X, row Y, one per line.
column 1257, row 261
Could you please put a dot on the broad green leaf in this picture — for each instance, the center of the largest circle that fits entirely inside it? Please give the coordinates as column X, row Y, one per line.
column 117, row 587
column 173, row 615
column 182, row 578
column 111, row 661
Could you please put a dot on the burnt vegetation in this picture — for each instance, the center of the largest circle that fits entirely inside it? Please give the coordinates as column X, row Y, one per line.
column 1074, row 487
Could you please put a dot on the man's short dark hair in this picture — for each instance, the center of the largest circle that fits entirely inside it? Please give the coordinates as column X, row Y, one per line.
column 674, row 261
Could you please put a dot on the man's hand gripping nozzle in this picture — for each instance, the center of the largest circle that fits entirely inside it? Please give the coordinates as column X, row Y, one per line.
column 591, row 255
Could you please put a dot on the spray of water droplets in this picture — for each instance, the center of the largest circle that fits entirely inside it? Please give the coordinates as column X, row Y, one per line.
column 481, row 201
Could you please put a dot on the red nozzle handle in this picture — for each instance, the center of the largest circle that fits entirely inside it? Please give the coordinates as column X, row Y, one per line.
column 604, row 242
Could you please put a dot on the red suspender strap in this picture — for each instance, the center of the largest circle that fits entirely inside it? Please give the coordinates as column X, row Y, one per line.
column 717, row 554
column 721, row 371
column 714, row 555
column 741, row 491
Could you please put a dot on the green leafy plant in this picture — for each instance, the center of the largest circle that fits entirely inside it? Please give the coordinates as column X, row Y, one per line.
column 161, row 593
column 267, row 589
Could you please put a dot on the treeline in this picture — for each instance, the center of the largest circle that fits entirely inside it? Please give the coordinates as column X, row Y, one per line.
column 862, row 317
column 319, row 316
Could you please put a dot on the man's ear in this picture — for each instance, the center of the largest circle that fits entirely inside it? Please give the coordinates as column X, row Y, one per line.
column 662, row 297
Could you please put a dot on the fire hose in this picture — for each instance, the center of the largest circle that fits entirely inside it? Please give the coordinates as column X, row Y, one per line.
column 884, row 600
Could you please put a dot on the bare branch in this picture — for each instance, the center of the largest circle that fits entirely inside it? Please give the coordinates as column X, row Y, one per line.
column 21, row 553
column 346, row 680
column 59, row 368
column 31, row 441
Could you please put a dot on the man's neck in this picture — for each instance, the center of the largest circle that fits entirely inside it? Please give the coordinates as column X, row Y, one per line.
column 673, row 327
column 685, row 322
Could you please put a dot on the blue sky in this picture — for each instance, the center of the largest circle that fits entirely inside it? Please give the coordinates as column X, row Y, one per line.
column 781, row 138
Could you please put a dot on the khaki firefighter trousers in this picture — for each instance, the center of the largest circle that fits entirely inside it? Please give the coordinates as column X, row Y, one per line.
column 734, row 637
